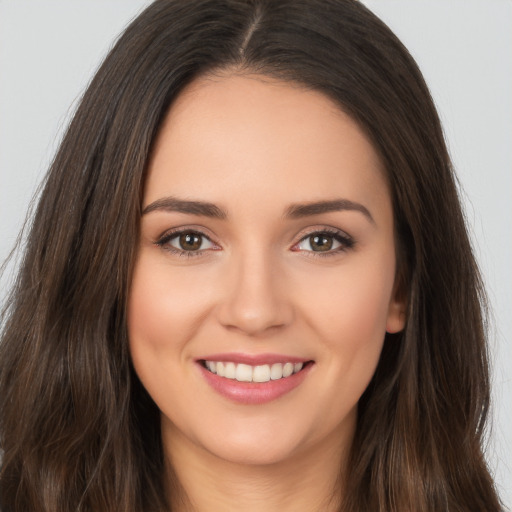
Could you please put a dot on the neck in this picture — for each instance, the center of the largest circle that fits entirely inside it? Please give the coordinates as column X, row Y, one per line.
column 309, row 481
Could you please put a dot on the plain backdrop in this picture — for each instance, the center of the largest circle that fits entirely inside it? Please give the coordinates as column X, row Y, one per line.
column 49, row 51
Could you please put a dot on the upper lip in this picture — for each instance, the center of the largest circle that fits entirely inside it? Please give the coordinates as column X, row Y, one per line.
column 254, row 359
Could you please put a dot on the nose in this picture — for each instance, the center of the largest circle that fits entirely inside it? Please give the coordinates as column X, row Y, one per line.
column 255, row 299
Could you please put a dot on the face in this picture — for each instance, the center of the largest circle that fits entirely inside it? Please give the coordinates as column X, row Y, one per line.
column 264, row 283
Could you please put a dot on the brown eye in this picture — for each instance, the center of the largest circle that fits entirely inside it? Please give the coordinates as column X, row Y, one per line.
column 190, row 241
column 186, row 242
column 321, row 242
column 325, row 243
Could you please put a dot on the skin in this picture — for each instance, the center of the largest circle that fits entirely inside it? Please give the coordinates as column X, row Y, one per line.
column 253, row 146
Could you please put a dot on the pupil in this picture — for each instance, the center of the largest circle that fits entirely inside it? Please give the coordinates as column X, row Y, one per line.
column 190, row 241
column 321, row 242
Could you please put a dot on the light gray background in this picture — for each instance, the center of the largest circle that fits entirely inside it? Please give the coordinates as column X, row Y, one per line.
column 49, row 51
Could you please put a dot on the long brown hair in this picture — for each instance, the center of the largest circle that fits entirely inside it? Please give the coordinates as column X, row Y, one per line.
column 78, row 432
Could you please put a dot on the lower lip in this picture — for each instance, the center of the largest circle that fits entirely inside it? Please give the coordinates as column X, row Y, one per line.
column 254, row 393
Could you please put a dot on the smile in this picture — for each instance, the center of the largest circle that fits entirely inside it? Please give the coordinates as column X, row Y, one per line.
column 265, row 380
column 247, row 373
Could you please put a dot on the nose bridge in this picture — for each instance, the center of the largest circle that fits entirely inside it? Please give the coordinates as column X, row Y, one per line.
column 255, row 299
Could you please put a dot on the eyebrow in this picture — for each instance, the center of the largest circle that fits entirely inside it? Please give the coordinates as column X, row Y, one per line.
column 297, row 211
column 294, row 211
column 173, row 204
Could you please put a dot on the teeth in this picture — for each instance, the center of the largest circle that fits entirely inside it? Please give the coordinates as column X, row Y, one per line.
column 276, row 372
column 287, row 369
column 229, row 370
column 261, row 373
column 247, row 373
column 243, row 373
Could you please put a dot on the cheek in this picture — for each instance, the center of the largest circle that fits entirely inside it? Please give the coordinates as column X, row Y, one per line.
column 348, row 311
column 165, row 308
column 353, row 304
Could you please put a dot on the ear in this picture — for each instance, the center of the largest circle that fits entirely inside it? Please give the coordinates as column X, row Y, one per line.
column 396, row 310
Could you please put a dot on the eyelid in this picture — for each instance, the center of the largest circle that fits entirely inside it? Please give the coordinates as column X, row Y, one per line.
column 177, row 236
column 189, row 228
column 344, row 239
column 164, row 239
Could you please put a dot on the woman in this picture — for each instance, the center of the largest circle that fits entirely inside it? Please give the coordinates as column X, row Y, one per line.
column 248, row 282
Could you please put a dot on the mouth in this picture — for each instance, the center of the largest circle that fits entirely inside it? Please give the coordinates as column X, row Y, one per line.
column 261, row 373
column 265, row 380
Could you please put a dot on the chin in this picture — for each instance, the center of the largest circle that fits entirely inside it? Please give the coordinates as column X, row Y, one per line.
column 249, row 454
column 260, row 445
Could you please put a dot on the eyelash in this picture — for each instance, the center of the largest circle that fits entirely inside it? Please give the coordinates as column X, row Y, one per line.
column 346, row 242
column 164, row 240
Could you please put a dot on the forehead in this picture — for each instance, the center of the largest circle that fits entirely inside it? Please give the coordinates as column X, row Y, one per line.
column 252, row 137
